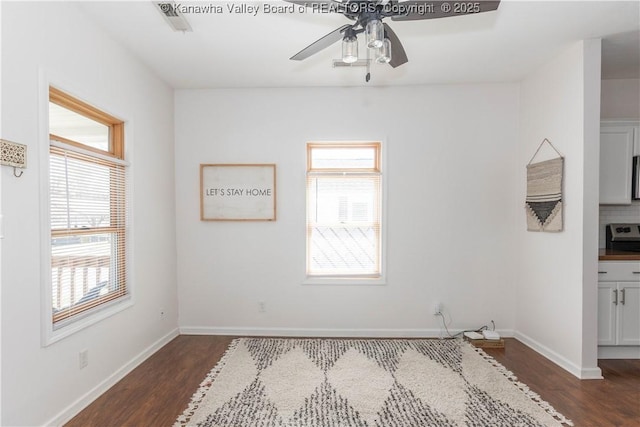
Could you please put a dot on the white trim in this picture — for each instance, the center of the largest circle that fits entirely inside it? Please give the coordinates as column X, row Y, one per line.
column 46, row 310
column 582, row 373
column 591, row 374
column 320, row 332
column 619, row 352
column 344, row 281
column 72, row 410
column 49, row 334
column 83, row 320
column 383, row 174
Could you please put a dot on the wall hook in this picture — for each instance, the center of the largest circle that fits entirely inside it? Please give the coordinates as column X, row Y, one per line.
column 13, row 154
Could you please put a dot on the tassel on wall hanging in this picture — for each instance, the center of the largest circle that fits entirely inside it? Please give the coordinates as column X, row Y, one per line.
column 544, row 203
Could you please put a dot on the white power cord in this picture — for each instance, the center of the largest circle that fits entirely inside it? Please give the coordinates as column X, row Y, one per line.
column 444, row 324
column 449, row 335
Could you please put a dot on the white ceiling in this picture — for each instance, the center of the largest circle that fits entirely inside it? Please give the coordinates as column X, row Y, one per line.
column 232, row 49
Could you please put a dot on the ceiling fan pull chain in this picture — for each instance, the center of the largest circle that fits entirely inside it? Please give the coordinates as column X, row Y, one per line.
column 368, row 76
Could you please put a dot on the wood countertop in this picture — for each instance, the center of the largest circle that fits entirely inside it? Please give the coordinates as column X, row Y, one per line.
column 613, row 255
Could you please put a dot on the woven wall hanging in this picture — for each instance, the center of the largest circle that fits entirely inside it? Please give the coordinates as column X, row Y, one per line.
column 544, row 203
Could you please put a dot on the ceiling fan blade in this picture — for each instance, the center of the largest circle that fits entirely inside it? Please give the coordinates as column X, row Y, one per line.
column 398, row 55
column 320, row 44
column 415, row 10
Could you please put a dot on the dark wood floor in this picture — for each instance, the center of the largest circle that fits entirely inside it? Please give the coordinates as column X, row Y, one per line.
column 156, row 392
column 614, row 401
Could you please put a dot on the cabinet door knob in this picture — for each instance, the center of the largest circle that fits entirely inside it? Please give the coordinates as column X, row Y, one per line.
column 615, row 296
column 622, row 296
column 604, row 272
column 636, row 272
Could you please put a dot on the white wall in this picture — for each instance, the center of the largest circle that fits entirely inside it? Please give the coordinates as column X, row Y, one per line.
column 592, row 67
column 1, row 225
column 454, row 164
column 449, row 170
column 620, row 99
column 558, row 273
column 44, row 384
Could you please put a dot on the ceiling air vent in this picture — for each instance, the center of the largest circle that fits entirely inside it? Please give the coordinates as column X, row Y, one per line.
column 171, row 12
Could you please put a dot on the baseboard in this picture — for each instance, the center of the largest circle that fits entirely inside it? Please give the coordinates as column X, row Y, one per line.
column 591, row 374
column 581, row 373
column 325, row 333
column 74, row 409
column 622, row 352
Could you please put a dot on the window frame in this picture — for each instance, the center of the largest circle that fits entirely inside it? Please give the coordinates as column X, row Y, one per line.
column 346, row 279
column 57, row 327
column 116, row 126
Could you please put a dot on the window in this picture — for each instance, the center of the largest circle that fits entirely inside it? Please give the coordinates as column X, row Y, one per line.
column 344, row 210
column 87, row 208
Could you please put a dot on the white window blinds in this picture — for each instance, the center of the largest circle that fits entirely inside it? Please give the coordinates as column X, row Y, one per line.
column 88, row 228
column 343, row 210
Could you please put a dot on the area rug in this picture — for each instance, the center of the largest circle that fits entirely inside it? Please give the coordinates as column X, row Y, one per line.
column 361, row 383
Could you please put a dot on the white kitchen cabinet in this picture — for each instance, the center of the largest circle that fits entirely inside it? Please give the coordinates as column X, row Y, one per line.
column 616, row 152
column 606, row 313
column 619, row 303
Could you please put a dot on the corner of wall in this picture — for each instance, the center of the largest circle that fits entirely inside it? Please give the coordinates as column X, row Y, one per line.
column 592, row 60
column 557, row 270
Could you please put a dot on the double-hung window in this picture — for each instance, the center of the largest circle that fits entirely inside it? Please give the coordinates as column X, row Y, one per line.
column 344, row 198
column 87, row 208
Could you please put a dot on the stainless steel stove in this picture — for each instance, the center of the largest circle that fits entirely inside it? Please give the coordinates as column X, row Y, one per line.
column 623, row 237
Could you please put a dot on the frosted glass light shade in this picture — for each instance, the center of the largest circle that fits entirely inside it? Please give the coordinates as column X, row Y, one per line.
column 350, row 49
column 374, row 33
column 384, row 53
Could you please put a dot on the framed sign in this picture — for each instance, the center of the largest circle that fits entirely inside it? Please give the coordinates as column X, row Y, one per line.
column 241, row 192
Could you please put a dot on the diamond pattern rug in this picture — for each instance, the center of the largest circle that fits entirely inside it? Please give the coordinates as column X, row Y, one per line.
column 279, row 382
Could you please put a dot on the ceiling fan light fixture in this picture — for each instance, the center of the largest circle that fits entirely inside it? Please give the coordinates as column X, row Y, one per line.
column 349, row 49
column 383, row 55
column 374, row 33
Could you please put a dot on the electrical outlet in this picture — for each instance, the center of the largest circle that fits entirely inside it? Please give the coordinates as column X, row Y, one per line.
column 437, row 308
column 262, row 307
column 83, row 358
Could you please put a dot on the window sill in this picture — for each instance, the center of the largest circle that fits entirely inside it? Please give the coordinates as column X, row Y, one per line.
column 345, row 281
column 69, row 327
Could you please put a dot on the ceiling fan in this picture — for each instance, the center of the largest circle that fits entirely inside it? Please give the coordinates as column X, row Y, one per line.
column 383, row 46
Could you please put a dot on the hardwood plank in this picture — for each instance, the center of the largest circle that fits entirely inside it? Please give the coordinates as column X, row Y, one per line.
column 158, row 390
column 612, row 402
column 156, row 393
